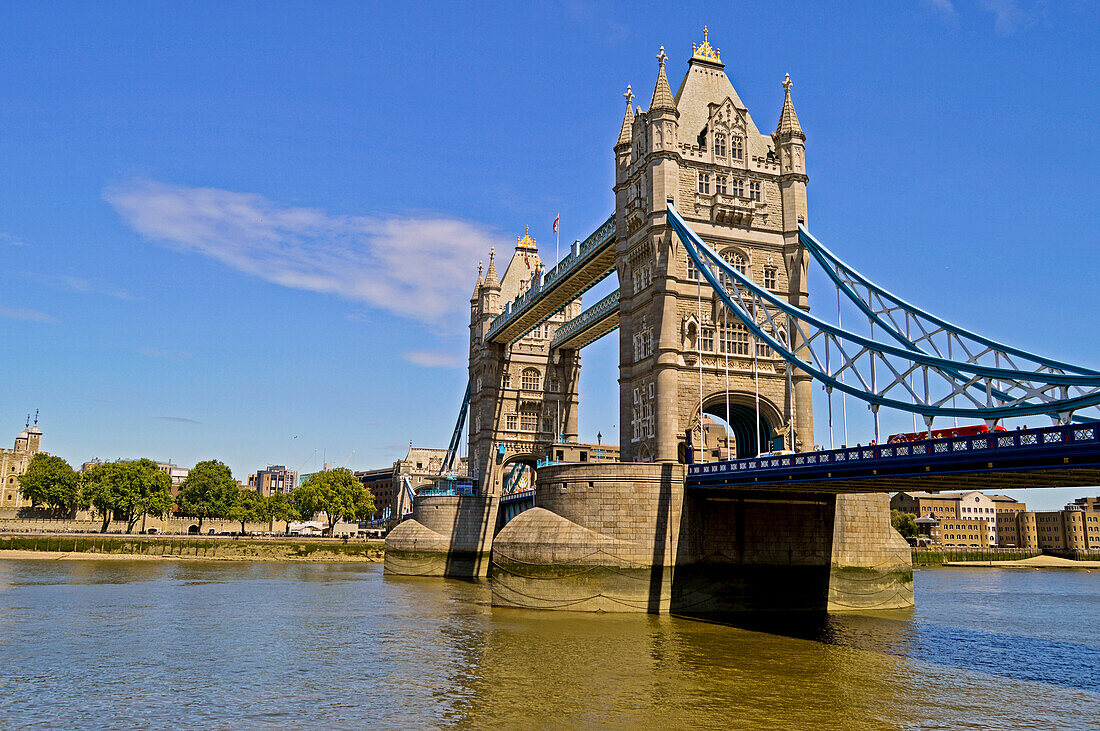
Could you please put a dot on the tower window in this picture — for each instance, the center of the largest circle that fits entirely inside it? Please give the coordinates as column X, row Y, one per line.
column 754, row 191
column 506, row 381
column 736, row 148
column 738, row 188
column 734, row 340
column 692, row 271
column 704, row 183
column 720, row 145
column 770, row 277
column 707, row 341
column 720, row 184
column 529, row 422
column 530, row 380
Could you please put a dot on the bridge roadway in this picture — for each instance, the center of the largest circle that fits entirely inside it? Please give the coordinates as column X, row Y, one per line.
column 587, row 264
column 1057, row 456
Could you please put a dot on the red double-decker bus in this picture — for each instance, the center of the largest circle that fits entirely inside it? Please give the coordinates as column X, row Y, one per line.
column 958, row 431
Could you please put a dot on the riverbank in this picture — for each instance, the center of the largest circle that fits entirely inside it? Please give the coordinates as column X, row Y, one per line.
column 192, row 548
column 1035, row 562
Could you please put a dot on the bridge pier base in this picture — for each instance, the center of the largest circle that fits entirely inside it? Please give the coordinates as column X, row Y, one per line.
column 448, row 535
column 628, row 538
column 872, row 565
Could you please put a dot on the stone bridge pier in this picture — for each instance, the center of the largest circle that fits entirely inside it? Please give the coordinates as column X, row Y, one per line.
column 628, row 538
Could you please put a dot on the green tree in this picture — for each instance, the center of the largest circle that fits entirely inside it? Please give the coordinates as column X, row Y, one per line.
column 250, row 506
column 97, row 492
column 208, row 491
column 281, row 507
column 50, row 481
column 904, row 523
column 126, row 491
column 337, row 494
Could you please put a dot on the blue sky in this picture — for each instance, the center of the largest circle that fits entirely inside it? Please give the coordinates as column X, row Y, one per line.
column 249, row 232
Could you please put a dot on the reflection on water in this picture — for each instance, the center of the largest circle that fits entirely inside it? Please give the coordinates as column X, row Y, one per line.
column 164, row 643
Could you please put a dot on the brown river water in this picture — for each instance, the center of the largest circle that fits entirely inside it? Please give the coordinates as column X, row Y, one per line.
column 117, row 644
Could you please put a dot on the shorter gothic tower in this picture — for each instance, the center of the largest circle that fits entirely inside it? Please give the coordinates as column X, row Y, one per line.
column 523, row 395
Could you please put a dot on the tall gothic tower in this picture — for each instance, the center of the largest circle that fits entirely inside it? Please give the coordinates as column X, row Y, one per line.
column 744, row 193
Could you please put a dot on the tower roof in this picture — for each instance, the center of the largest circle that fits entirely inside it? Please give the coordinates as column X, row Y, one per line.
column 628, row 120
column 491, row 279
column 788, row 120
column 662, row 94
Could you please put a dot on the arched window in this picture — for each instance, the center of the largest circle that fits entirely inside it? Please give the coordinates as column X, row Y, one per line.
column 720, row 144
column 530, row 379
column 739, row 263
column 737, row 187
column 736, row 148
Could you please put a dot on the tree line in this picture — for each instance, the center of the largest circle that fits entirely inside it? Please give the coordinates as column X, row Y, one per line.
column 127, row 491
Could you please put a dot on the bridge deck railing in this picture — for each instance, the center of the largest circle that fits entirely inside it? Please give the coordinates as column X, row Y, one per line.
column 1023, row 440
column 528, row 494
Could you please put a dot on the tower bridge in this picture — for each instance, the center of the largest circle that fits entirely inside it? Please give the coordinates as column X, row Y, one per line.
column 711, row 247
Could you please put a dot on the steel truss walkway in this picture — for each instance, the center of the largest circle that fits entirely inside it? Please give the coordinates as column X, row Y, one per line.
column 587, row 264
column 1056, row 456
column 589, row 326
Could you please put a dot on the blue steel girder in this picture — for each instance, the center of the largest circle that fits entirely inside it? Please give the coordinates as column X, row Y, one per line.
column 589, row 326
column 927, row 384
column 586, row 265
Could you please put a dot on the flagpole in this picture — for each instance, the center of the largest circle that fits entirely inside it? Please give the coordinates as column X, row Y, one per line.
column 557, row 238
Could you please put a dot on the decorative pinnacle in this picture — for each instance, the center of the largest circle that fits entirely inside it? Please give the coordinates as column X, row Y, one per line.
column 479, row 270
column 661, row 57
column 787, row 83
column 704, row 51
column 629, row 95
column 492, row 253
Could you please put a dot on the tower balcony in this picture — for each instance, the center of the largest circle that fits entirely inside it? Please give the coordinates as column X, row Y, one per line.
column 731, row 210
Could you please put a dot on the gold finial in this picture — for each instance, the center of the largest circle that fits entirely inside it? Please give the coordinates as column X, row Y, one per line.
column 787, row 83
column 526, row 242
column 661, row 57
column 704, row 51
column 629, row 95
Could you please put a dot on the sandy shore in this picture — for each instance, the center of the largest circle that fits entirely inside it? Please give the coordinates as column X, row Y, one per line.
column 1035, row 562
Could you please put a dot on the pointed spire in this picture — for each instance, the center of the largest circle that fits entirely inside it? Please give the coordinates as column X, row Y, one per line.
column 627, row 130
column 477, row 287
column 491, row 279
column 788, row 120
column 662, row 94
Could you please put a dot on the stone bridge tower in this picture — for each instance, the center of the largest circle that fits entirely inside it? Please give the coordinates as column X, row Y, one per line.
column 523, row 396
column 744, row 192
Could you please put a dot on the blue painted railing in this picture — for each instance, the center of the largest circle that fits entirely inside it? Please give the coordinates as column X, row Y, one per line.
column 1025, row 440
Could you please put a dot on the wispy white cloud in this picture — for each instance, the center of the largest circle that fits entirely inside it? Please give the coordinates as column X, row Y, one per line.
column 179, row 419
column 945, row 9
column 81, row 285
column 417, row 267
column 29, row 315
column 431, row 359
column 1009, row 16
column 173, row 355
column 11, row 240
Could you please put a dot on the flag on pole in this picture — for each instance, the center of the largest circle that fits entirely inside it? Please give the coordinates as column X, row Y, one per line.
column 556, row 223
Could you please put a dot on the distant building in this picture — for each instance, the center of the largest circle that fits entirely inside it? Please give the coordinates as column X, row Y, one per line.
column 13, row 463
column 176, row 473
column 959, row 506
column 380, row 484
column 276, row 478
column 421, row 467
